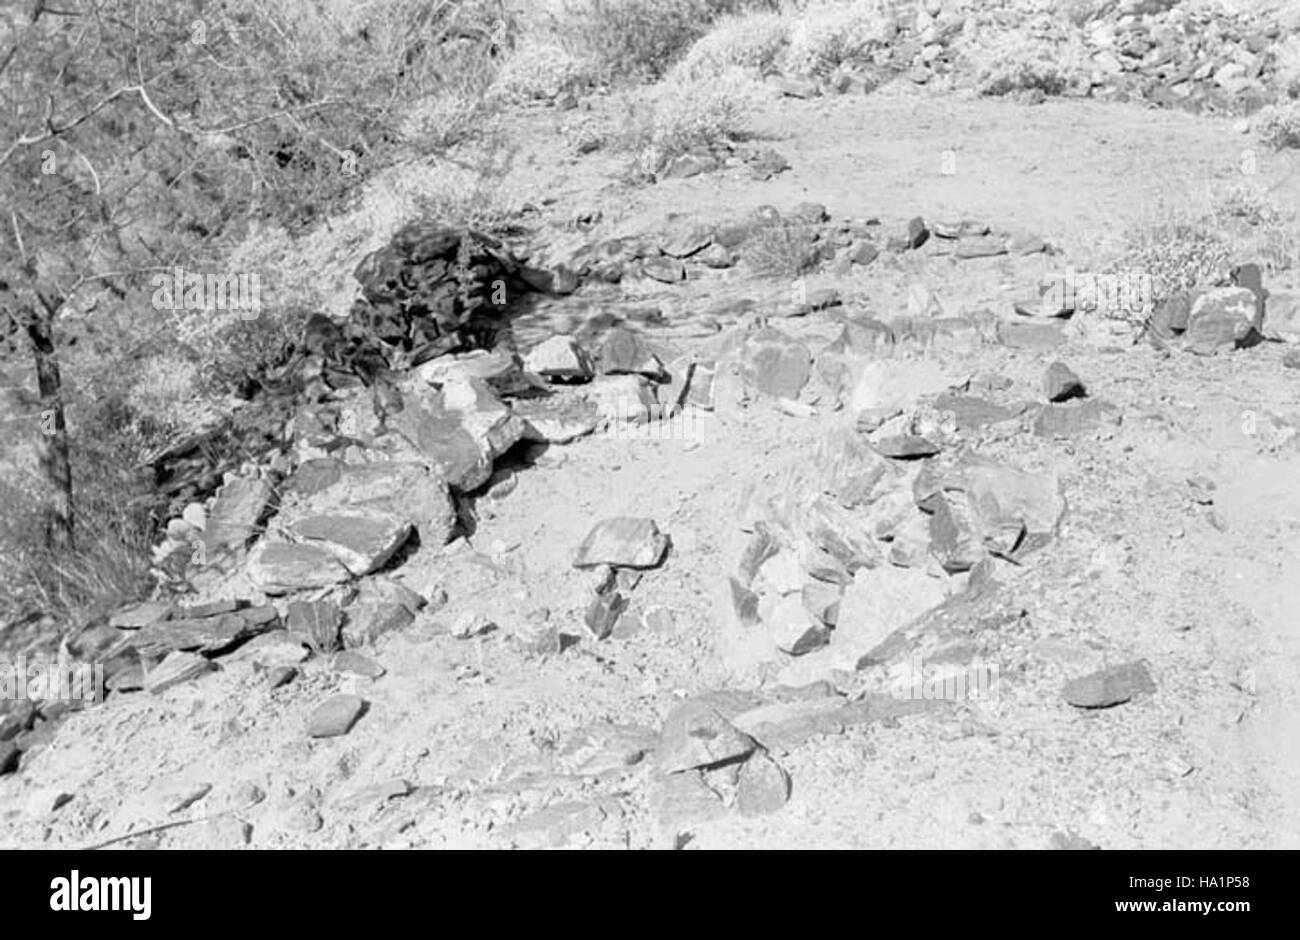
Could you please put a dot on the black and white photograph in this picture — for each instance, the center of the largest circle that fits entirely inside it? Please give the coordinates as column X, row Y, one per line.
column 650, row 425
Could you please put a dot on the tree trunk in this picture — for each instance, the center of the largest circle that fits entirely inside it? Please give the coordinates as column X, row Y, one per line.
column 52, row 446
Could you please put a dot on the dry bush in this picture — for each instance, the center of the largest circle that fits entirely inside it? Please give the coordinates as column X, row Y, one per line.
column 635, row 39
column 753, row 40
column 1278, row 126
column 1008, row 64
column 540, row 69
column 1178, row 252
column 780, row 250
column 829, row 33
column 678, row 117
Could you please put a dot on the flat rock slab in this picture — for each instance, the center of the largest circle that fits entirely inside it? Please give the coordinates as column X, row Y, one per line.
column 553, row 826
column 980, row 246
column 361, row 543
column 560, row 359
column 356, row 664
column 681, row 800
column 284, row 567
column 140, row 615
column 985, row 604
column 695, row 734
column 1073, row 418
column 784, row 726
column 603, row 748
column 685, row 242
column 209, row 635
column 775, row 364
column 400, row 489
column 1108, row 687
column 763, row 786
column 972, row 413
column 1030, row 336
column 175, row 669
column 664, row 269
column 905, row 446
column 335, row 716
column 557, row 419
column 442, row 438
column 624, row 542
column 235, row 514
column 625, row 351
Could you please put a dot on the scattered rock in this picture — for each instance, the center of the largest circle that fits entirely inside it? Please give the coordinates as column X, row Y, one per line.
column 140, row 615
column 980, row 246
column 356, row 664
column 1111, row 686
column 1061, row 384
column 1282, row 321
column 784, row 726
column 686, row 241
column 559, row 420
column 603, row 613
column 917, row 233
column 622, row 542
column 695, row 735
column 279, row 676
column 666, row 270
column 553, row 826
column 955, row 538
column 792, row 627
column 1030, row 336
column 763, row 787
column 1073, row 418
column 775, row 364
column 1222, row 318
column 625, row 351
column 863, row 252
column 284, row 567
column 471, row 624
column 335, row 716
column 175, row 669
column 239, row 507
column 560, row 359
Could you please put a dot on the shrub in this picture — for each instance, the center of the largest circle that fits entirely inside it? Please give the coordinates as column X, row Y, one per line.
column 540, row 70
column 635, row 39
column 1278, row 126
column 1178, row 253
column 753, row 40
column 780, row 250
column 1009, row 64
column 829, row 33
column 684, row 116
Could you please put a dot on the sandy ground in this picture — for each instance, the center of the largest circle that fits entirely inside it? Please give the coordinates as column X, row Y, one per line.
column 1207, row 595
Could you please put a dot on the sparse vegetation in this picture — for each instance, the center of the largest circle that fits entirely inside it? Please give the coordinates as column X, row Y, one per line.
column 1278, row 126
column 683, row 116
column 780, row 250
